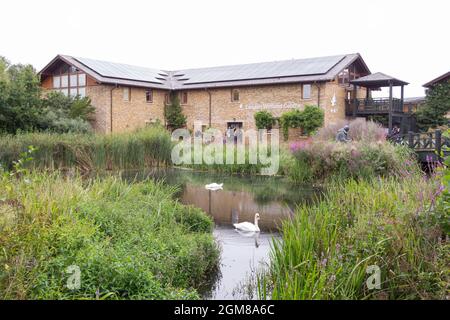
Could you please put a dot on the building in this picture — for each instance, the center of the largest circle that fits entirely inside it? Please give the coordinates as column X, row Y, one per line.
column 128, row 97
column 441, row 79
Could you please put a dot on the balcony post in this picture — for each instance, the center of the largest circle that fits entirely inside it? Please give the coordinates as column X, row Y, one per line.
column 390, row 107
column 355, row 101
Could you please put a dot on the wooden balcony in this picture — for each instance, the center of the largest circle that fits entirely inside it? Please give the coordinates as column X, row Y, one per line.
column 372, row 106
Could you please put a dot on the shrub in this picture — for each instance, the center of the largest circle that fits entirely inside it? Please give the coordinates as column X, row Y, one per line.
column 264, row 120
column 309, row 120
column 313, row 118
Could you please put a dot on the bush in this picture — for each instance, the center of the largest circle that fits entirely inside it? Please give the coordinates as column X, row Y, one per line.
column 309, row 120
column 264, row 120
column 66, row 114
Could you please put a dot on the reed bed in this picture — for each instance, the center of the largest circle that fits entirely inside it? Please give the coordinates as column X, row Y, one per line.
column 327, row 248
column 147, row 147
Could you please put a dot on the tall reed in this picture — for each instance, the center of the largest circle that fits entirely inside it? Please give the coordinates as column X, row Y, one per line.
column 143, row 148
column 327, row 247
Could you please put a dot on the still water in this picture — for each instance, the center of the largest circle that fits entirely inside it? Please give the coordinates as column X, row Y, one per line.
column 274, row 198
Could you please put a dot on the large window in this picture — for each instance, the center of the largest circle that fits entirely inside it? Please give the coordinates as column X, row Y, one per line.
column 70, row 81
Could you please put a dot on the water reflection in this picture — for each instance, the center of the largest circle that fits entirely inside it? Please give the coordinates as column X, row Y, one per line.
column 241, row 252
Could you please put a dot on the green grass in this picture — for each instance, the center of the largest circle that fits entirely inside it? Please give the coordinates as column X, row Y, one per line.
column 327, row 247
column 130, row 241
column 143, row 148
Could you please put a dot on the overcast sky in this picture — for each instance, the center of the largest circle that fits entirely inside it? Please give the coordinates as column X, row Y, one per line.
column 406, row 39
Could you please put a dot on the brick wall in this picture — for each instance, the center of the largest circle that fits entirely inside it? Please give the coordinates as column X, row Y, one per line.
column 127, row 115
column 253, row 99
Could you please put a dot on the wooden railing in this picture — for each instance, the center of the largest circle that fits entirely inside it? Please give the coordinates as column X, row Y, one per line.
column 426, row 142
column 372, row 106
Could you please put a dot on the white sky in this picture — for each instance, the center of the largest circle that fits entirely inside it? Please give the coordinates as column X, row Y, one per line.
column 406, row 39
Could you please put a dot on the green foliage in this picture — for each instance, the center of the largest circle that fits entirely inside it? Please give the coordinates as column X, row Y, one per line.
column 62, row 113
column 310, row 119
column 143, row 148
column 313, row 118
column 129, row 241
column 20, row 93
column 437, row 105
column 264, row 120
column 327, row 247
column 174, row 113
column 442, row 214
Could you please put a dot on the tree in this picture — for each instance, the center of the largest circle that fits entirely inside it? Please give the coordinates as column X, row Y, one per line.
column 20, row 93
column 174, row 114
column 437, row 105
column 264, row 120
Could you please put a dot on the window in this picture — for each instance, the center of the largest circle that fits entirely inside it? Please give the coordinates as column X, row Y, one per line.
column 184, row 98
column 73, row 80
column 82, row 92
column 167, row 99
column 149, row 95
column 81, row 79
column 344, row 77
column 306, row 91
column 126, row 94
column 73, row 92
column 64, row 81
column 65, row 91
column 69, row 81
column 56, row 81
column 234, row 95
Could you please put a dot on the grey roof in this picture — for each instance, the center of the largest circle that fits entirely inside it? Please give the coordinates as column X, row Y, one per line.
column 378, row 79
column 414, row 100
column 288, row 71
column 123, row 71
column 431, row 83
column 287, row 68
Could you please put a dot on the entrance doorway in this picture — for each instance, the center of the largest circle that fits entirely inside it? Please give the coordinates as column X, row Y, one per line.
column 234, row 125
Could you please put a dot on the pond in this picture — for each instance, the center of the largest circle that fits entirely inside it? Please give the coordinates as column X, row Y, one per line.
column 274, row 198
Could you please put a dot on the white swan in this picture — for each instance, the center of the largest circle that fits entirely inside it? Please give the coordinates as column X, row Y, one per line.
column 248, row 226
column 214, row 186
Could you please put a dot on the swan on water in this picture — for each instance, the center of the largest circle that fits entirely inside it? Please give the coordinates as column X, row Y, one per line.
column 214, row 186
column 248, row 226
